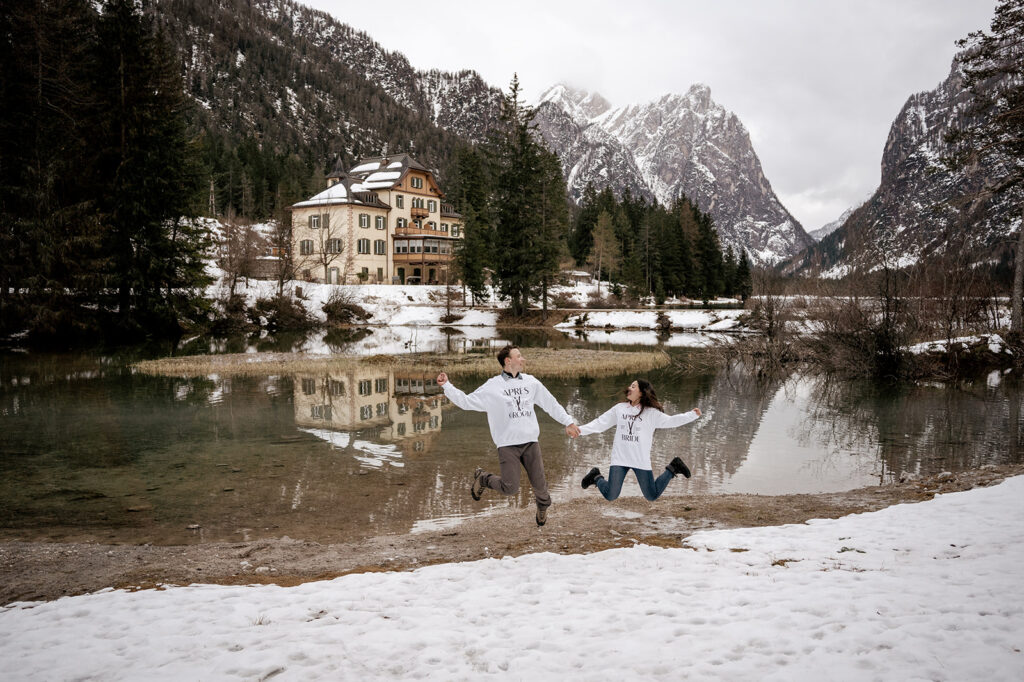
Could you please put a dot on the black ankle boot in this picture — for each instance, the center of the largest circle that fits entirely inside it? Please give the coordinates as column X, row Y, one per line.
column 677, row 466
column 591, row 477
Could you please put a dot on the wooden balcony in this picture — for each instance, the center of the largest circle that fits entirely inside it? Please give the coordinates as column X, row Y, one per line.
column 424, row 231
column 422, row 258
column 417, row 212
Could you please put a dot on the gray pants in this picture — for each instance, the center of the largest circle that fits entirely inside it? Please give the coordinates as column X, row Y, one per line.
column 510, row 458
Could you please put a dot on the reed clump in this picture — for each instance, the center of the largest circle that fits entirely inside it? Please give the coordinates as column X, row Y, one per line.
column 541, row 362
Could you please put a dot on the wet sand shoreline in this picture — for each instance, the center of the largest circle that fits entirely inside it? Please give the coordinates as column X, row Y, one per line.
column 33, row 571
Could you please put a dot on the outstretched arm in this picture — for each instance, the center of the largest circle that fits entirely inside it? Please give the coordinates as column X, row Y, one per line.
column 602, row 423
column 669, row 422
column 474, row 401
column 548, row 403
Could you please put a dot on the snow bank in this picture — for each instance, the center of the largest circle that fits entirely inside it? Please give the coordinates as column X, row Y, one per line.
column 994, row 342
column 916, row 591
column 694, row 320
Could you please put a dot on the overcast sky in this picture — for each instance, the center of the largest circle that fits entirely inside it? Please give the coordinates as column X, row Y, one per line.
column 816, row 82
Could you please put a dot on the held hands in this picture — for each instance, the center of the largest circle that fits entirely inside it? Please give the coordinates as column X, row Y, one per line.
column 572, row 430
column 696, row 409
column 442, row 379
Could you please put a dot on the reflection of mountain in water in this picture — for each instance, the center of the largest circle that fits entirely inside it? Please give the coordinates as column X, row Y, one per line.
column 734, row 403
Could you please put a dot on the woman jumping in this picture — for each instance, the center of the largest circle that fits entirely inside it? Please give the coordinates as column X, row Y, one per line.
column 635, row 420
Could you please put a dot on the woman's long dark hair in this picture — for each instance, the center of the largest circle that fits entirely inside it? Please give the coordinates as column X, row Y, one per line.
column 648, row 398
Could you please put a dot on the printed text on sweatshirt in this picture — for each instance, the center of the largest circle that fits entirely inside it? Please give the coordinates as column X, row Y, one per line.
column 509, row 402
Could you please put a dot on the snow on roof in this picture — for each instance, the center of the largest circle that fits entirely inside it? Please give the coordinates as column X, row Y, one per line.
column 366, row 167
column 378, row 177
column 335, row 194
column 395, row 164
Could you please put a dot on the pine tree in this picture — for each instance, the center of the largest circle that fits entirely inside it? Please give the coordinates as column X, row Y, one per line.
column 522, row 249
column 744, row 279
column 606, row 248
column 146, row 174
column 50, row 259
column 550, row 246
column 992, row 64
column 729, row 270
column 581, row 239
column 470, row 190
column 709, row 258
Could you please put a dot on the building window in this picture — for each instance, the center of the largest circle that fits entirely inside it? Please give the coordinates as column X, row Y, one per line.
column 431, row 205
column 382, row 409
column 416, row 246
column 366, row 273
column 381, row 385
column 417, row 202
column 399, row 201
column 380, row 223
column 380, row 247
column 431, row 225
column 365, row 387
column 401, row 429
column 364, row 220
column 366, row 412
column 308, row 386
column 336, row 387
column 444, row 227
column 333, row 246
column 402, row 222
column 320, row 412
column 306, row 247
column 363, row 246
column 416, row 182
column 455, row 230
column 401, row 246
column 380, row 274
column 314, row 222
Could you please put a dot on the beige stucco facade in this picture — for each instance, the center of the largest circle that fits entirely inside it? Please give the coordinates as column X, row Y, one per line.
column 384, row 223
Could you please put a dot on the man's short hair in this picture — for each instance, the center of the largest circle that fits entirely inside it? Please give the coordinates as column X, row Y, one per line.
column 504, row 353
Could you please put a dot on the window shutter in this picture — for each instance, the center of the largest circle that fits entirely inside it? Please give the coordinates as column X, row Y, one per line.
column 311, row 222
column 325, row 220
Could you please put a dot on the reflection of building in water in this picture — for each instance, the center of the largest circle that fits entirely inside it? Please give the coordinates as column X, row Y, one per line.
column 402, row 406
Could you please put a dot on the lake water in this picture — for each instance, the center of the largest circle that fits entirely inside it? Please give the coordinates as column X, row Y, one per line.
column 90, row 451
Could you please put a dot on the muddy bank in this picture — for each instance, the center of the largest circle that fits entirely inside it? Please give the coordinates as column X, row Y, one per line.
column 41, row 571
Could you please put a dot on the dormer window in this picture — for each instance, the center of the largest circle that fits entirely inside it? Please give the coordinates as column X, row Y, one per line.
column 416, row 182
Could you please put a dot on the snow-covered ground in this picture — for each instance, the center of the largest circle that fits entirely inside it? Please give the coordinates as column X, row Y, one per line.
column 927, row 591
column 994, row 343
column 693, row 320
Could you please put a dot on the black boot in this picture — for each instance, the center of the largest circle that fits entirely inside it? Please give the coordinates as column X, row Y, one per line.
column 591, row 477
column 677, row 466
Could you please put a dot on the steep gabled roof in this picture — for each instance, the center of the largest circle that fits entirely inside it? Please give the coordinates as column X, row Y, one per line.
column 346, row 191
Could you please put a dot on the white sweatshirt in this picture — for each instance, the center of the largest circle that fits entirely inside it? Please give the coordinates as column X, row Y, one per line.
column 634, row 431
column 509, row 403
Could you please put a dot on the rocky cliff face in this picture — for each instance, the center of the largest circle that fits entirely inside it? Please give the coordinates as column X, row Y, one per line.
column 921, row 208
column 679, row 144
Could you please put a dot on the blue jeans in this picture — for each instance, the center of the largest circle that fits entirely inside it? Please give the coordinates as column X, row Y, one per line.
column 651, row 488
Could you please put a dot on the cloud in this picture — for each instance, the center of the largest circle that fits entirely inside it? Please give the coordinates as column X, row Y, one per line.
column 818, row 84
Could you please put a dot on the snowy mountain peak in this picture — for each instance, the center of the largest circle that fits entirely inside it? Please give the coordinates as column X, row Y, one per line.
column 582, row 104
column 678, row 144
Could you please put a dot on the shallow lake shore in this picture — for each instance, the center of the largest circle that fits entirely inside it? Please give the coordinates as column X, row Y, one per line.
column 541, row 362
column 31, row 571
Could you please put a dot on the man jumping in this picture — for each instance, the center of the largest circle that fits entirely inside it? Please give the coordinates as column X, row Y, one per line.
column 508, row 399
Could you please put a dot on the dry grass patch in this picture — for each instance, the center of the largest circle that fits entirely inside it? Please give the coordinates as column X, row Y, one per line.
column 541, row 362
